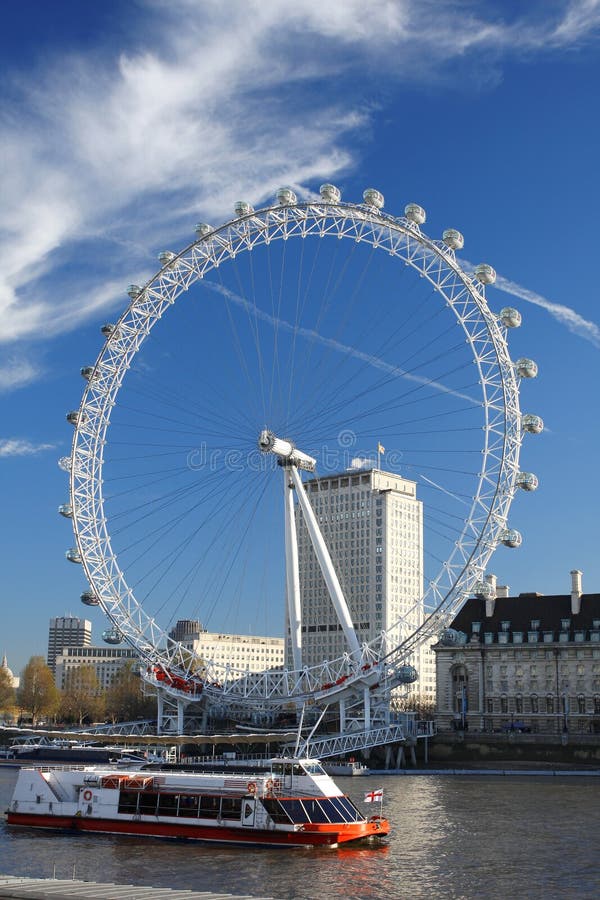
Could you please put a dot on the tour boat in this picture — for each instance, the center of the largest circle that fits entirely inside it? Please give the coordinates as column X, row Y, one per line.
column 293, row 803
column 44, row 750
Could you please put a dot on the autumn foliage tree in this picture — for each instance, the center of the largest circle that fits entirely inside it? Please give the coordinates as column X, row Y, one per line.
column 37, row 694
column 125, row 699
column 82, row 696
column 7, row 691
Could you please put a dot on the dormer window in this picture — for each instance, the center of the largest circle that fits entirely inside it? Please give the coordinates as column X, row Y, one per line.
column 535, row 624
column 505, row 626
column 476, row 626
column 565, row 624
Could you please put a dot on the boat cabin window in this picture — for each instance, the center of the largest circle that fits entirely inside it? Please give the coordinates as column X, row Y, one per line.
column 189, row 806
column 334, row 809
column 287, row 769
column 314, row 769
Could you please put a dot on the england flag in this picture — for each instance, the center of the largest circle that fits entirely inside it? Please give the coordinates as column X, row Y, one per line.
column 374, row 796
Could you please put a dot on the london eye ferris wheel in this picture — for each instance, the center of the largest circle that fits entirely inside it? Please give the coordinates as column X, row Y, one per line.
column 302, row 338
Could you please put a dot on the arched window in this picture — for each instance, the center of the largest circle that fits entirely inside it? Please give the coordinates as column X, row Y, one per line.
column 503, row 703
column 535, row 707
column 581, row 704
column 549, row 703
column 519, row 703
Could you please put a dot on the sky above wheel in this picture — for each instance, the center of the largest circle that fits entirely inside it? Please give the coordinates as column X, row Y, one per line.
column 125, row 124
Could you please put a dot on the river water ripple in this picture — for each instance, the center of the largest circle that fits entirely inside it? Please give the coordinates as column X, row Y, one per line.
column 453, row 837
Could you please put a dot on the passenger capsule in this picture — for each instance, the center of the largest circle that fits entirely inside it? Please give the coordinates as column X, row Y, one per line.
column 373, row 198
column 73, row 555
column 527, row 481
column 88, row 598
column 112, row 636
column 330, row 193
column 533, row 424
column 448, row 637
column 453, row 239
column 134, row 291
column 75, row 417
column 66, row 510
column 483, row 590
column 415, row 213
column 108, row 329
column 510, row 537
column 286, row 196
column 526, row 368
column 166, row 256
column 510, row 318
column 202, row 229
column 87, row 372
column 484, row 274
column 408, row 674
column 64, row 463
column 243, row 209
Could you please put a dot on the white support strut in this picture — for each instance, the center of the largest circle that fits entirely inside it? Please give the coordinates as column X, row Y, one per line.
column 326, row 564
column 292, row 572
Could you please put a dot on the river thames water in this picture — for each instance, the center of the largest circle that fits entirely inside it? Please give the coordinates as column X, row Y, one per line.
column 453, row 837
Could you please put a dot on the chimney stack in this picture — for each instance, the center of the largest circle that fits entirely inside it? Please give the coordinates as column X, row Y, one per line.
column 490, row 602
column 502, row 590
column 576, row 592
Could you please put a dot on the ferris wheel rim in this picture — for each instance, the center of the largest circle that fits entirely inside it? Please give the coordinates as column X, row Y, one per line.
column 179, row 273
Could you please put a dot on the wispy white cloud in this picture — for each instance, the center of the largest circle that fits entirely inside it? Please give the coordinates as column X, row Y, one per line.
column 21, row 447
column 314, row 336
column 17, row 372
column 584, row 328
column 104, row 156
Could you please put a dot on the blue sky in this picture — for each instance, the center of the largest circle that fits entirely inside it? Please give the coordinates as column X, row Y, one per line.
column 124, row 124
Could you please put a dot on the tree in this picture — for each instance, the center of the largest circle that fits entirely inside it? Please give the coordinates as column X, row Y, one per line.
column 82, row 696
column 38, row 694
column 125, row 700
column 7, row 691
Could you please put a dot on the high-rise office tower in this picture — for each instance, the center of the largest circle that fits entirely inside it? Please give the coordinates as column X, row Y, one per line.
column 372, row 523
column 67, row 631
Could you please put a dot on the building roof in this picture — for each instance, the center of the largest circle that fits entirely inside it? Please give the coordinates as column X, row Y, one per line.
column 519, row 611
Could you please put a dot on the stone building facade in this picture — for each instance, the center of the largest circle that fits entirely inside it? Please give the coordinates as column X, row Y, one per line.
column 526, row 663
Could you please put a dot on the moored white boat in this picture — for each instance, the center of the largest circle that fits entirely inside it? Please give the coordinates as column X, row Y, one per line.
column 293, row 803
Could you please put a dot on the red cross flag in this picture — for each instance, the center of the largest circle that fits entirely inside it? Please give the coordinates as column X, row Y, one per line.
column 374, row 796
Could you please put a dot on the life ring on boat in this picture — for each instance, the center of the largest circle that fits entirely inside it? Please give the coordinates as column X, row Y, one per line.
column 269, row 785
column 251, row 787
column 376, row 821
column 87, row 796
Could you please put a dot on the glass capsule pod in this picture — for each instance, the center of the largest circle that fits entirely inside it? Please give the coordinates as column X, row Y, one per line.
column 532, row 423
column 134, row 291
column 75, row 417
column 73, row 555
column 526, row 368
column 415, row 213
column 87, row 372
column 453, row 239
column 286, row 196
column 166, row 256
column 527, row 481
column 373, row 198
column 484, row 273
column 408, row 674
column 242, row 208
column 483, row 590
column 448, row 637
column 510, row 537
column 64, row 463
column 202, row 229
column 108, row 330
column 88, row 598
column 112, row 636
column 510, row 317
column 66, row 510
column 330, row 193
